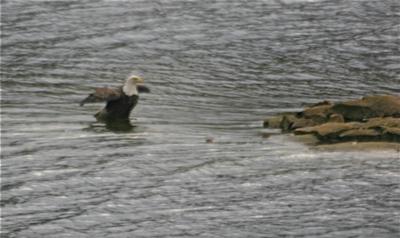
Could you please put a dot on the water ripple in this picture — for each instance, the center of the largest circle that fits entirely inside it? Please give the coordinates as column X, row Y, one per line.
column 216, row 69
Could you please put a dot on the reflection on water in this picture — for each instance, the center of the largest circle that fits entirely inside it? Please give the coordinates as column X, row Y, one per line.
column 215, row 69
column 114, row 126
column 119, row 126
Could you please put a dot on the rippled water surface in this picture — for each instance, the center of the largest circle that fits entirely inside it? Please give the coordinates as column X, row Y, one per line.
column 216, row 69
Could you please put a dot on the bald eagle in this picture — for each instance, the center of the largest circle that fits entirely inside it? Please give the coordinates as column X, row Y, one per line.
column 119, row 101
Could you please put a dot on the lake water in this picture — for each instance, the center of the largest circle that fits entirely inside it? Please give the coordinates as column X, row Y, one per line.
column 216, row 70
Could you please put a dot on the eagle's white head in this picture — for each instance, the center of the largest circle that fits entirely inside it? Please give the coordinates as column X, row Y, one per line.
column 129, row 87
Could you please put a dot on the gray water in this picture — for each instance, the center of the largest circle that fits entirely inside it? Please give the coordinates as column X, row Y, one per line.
column 216, row 70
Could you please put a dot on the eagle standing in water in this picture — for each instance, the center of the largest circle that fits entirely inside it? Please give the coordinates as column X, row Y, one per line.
column 120, row 101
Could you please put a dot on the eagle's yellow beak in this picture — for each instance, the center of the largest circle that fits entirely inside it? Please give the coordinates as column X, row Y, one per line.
column 138, row 80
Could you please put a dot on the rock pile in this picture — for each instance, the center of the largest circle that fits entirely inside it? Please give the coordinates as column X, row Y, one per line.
column 372, row 118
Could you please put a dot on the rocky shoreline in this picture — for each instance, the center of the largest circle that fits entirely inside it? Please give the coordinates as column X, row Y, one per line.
column 369, row 122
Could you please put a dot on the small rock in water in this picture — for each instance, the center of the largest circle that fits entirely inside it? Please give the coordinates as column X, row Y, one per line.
column 210, row 140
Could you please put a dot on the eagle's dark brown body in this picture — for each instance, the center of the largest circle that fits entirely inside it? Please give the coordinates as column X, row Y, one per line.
column 118, row 104
column 118, row 109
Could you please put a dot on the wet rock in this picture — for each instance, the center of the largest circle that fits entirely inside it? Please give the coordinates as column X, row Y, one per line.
column 369, row 107
column 372, row 119
column 373, row 129
column 287, row 122
column 360, row 134
column 335, row 118
column 327, row 130
column 383, row 122
column 358, row 146
column 302, row 122
column 273, row 122
column 320, row 112
column 392, row 131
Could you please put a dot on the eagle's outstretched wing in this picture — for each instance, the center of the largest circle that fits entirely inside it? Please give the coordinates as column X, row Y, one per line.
column 103, row 95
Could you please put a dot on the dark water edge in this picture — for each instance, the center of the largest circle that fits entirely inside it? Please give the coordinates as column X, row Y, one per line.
column 216, row 70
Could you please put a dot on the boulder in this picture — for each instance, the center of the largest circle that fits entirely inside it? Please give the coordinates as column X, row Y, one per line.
column 383, row 122
column 287, row 122
column 327, row 130
column 320, row 112
column 373, row 119
column 273, row 122
column 360, row 134
column 392, row 131
column 335, row 118
column 368, row 107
